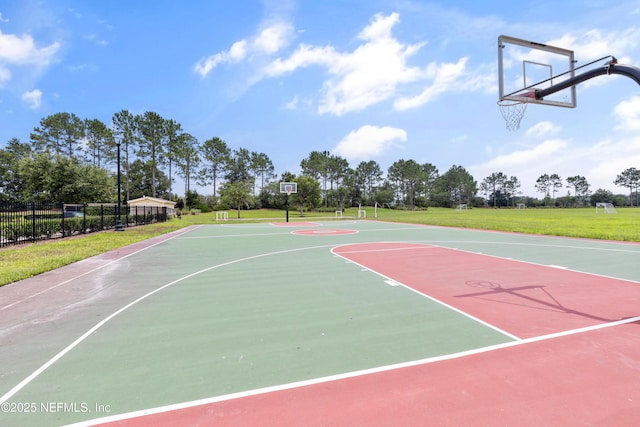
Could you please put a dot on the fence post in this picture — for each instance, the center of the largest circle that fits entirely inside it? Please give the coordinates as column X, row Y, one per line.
column 33, row 221
column 84, row 218
column 62, row 222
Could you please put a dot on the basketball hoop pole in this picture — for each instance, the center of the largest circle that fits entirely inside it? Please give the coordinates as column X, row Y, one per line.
column 286, row 203
column 611, row 68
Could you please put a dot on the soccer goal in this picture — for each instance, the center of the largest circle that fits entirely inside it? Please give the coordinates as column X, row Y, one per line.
column 607, row 208
column 462, row 207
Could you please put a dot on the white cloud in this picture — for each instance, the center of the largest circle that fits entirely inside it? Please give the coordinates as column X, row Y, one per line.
column 273, row 38
column 543, row 128
column 303, row 56
column 368, row 141
column 33, row 98
column 628, row 114
column 594, row 44
column 532, row 156
column 369, row 74
column 236, row 53
column 372, row 72
column 599, row 162
column 267, row 42
column 22, row 50
column 444, row 77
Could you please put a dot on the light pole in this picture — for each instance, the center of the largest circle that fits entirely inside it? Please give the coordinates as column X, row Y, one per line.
column 119, row 226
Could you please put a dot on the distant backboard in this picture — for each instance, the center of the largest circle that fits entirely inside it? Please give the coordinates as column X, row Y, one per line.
column 289, row 187
column 524, row 66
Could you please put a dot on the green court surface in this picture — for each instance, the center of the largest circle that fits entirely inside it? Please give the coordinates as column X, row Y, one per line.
column 223, row 309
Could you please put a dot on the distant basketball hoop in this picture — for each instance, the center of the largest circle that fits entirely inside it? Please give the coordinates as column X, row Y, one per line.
column 288, row 188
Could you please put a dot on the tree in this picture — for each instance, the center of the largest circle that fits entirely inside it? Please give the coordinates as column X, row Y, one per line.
column 555, row 182
column 429, row 176
column 337, row 170
column 100, row 142
column 408, row 176
column 580, row 187
column 142, row 182
column 175, row 146
column 262, row 167
column 124, row 129
column 542, row 185
column 151, row 133
column 215, row 155
column 62, row 179
column 236, row 194
column 185, row 151
column 629, row 178
column 366, row 177
column 11, row 182
column 457, row 185
column 602, row 196
column 308, row 194
column 60, row 133
column 495, row 183
column 238, row 166
column 316, row 167
column 511, row 187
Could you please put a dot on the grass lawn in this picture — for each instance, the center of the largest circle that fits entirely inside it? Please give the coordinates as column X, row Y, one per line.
column 28, row 260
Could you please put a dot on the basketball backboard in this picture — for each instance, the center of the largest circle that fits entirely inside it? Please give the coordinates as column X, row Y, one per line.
column 524, row 66
column 289, row 187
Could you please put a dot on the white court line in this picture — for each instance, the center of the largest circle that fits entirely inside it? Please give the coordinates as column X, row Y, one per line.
column 95, row 269
column 444, row 304
column 321, row 380
column 84, row 336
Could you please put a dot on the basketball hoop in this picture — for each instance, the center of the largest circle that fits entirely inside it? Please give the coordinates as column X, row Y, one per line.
column 512, row 112
column 513, row 109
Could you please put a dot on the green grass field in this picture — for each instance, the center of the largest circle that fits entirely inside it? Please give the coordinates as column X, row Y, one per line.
column 31, row 259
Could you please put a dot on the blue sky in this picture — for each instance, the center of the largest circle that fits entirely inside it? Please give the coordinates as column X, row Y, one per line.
column 368, row 80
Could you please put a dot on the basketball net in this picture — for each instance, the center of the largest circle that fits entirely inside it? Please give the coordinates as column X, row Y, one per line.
column 512, row 112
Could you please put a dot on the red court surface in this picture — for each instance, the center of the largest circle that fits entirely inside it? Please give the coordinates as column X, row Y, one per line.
column 574, row 359
column 523, row 299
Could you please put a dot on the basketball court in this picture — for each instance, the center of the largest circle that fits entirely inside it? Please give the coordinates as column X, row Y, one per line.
column 344, row 323
column 349, row 322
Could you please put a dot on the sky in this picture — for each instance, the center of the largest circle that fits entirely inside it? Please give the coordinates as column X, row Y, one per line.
column 379, row 80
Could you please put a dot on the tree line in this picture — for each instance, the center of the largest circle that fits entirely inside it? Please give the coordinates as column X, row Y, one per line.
column 71, row 160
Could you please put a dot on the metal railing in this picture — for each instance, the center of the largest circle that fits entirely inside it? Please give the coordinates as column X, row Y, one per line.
column 31, row 222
